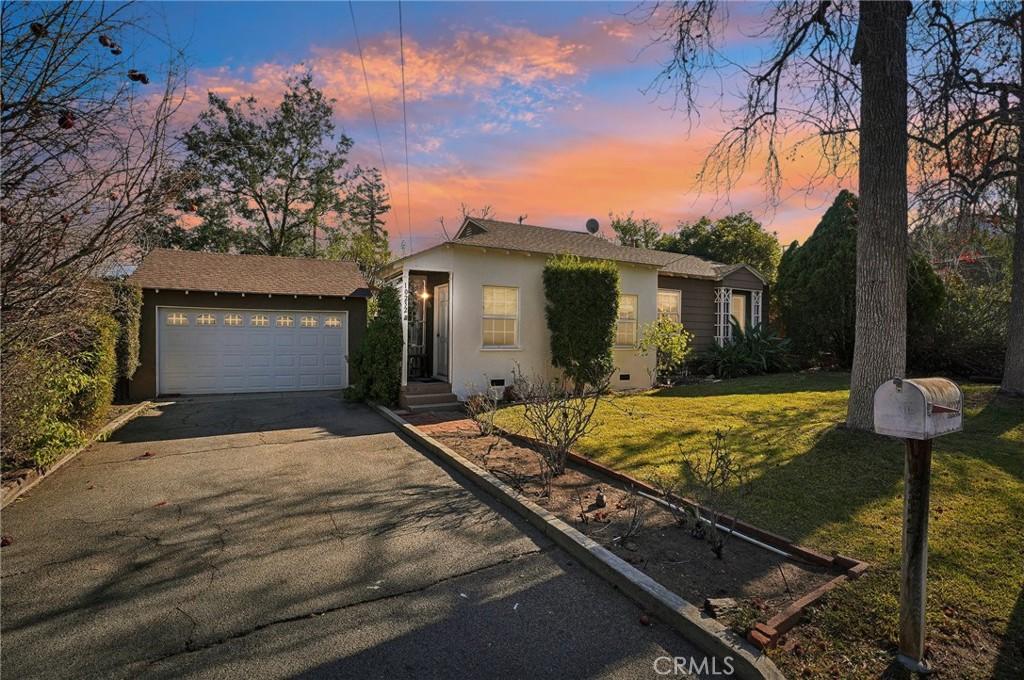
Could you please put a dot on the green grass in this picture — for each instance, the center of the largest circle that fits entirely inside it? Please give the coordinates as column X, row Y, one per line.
column 841, row 491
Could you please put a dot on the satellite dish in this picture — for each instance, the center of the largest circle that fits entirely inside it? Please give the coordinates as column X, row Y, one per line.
column 593, row 225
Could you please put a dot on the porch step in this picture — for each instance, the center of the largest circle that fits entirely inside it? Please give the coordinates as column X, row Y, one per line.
column 427, row 388
column 410, row 400
column 446, row 406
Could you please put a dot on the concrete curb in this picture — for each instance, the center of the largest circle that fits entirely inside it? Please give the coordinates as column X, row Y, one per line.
column 706, row 633
column 100, row 435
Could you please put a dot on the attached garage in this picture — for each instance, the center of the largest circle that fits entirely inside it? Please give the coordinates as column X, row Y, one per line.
column 219, row 324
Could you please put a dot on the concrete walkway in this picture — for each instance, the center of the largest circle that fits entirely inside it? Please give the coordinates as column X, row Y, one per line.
column 294, row 535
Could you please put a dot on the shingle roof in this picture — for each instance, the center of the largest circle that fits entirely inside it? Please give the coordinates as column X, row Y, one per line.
column 223, row 273
column 534, row 239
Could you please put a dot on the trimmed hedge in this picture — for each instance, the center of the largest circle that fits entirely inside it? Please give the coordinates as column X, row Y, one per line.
column 377, row 363
column 582, row 309
column 54, row 396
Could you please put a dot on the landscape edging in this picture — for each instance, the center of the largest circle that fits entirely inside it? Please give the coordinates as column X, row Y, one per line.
column 706, row 633
column 104, row 432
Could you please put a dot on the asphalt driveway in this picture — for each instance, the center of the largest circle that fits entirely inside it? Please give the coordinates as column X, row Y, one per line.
column 294, row 535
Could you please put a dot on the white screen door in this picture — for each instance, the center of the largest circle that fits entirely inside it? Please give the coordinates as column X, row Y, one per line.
column 441, row 328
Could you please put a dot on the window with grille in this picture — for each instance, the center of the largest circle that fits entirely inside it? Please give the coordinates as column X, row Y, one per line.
column 232, row 319
column 309, row 322
column 177, row 319
column 285, row 321
column 259, row 320
column 332, row 322
column 670, row 304
column 206, row 320
column 501, row 316
column 625, row 330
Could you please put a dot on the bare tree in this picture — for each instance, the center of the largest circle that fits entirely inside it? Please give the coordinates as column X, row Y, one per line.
column 970, row 134
column 85, row 154
column 835, row 80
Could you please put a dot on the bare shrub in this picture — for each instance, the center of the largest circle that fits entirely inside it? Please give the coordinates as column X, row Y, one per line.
column 482, row 407
column 559, row 415
column 671, row 487
column 713, row 479
column 634, row 506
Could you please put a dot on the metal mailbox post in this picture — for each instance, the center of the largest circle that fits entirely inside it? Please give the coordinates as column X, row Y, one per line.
column 916, row 411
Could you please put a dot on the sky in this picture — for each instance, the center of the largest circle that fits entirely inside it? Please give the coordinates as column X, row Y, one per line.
column 535, row 109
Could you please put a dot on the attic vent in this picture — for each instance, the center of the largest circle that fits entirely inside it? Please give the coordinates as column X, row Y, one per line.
column 624, row 377
column 498, row 382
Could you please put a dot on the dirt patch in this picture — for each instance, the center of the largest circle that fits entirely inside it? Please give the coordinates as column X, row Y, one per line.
column 761, row 582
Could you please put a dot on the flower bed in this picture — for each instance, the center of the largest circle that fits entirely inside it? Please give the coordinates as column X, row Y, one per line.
column 751, row 587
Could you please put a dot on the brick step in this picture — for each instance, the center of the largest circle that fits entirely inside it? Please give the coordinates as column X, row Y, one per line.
column 427, row 399
column 447, row 406
column 427, row 388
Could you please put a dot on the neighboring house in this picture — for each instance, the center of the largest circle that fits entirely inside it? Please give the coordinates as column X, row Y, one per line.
column 474, row 306
column 217, row 323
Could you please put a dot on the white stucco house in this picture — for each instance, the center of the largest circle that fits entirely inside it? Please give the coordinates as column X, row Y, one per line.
column 473, row 307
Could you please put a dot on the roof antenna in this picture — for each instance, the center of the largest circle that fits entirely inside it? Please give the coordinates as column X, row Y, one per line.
column 522, row 217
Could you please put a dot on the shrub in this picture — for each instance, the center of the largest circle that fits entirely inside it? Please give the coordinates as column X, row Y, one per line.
column 816, row 292
column 754, row 352
column 127, row 311
column 671, row 344
column 377, row 363
column 97, row 360
column 37, row 395
column 53, row 396
column 557, row 415
column 582, row 310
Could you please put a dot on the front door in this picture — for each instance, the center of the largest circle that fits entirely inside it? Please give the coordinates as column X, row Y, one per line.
column 441, row 330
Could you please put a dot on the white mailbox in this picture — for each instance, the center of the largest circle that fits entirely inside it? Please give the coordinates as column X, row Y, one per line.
column 921, row 408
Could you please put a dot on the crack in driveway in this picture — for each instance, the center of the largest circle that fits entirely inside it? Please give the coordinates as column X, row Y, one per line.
column 189, row 649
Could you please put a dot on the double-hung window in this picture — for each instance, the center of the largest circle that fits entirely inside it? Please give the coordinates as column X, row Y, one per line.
column 501, row 316
column 670, row 304
column 625, row 330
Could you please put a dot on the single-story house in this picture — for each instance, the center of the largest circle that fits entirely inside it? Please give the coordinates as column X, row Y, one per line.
column 474, row 305
column 216, row 323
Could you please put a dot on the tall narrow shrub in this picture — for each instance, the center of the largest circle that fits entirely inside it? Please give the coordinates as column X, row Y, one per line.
column 377, row 363
column 582, row 306
column 127, row 311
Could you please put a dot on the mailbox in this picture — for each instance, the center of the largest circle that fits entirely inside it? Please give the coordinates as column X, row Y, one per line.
column 921, row 408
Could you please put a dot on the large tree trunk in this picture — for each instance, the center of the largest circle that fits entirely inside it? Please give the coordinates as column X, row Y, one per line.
column 880, row 345
column 1013, row 368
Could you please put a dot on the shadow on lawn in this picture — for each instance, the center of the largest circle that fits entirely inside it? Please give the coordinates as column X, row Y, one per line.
column 1010, row 662
column 766, row 384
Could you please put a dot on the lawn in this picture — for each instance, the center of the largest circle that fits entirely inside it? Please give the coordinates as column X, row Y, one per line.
column 841, row 491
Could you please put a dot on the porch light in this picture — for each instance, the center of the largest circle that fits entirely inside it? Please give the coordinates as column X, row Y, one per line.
column 424, row 295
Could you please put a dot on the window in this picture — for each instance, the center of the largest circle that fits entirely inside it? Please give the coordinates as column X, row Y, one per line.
column 332, row 322
column 285, row 321
column 738, row 310
column 259, row 320
column 501, row 316
column 669, row 304
column 309, row 322
column 206, row 320
column 232, row 319
column 177, row 319
column 625, row 331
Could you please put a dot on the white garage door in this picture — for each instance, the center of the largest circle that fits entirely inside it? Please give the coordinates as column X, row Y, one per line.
column 215, row 351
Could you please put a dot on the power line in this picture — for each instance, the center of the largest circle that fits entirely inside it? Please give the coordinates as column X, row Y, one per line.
column 405, row 126
column 369, row 97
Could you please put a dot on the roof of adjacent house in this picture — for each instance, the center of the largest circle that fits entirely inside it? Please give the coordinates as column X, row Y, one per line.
column 224, row 273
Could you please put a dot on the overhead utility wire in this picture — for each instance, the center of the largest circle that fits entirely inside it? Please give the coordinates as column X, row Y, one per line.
column 405, row 126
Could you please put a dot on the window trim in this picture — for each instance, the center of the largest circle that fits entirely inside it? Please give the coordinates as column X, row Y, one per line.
column 515, row 319
column 678, row 294
column 229, row 316
column 329, row 318
column 309, row 317
column 176, row 319
column 206, row 319
column 635, row 321
column 280, row 316
column 263, row 317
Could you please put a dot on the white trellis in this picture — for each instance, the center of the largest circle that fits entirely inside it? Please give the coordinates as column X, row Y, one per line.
column 755, row 308
column 723, row 312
